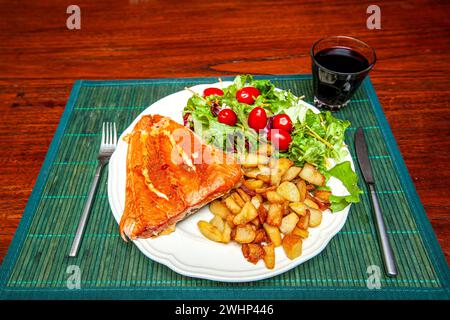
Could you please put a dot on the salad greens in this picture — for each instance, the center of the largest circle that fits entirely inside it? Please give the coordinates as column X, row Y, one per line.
column 344, row 172
column 317, row 138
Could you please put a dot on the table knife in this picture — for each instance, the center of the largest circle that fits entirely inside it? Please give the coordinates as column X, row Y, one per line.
column 366, row 169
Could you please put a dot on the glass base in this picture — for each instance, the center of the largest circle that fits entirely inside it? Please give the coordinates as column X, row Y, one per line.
column 322, row 105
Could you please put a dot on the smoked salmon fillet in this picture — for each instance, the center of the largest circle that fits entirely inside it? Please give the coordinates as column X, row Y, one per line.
column 170, row 174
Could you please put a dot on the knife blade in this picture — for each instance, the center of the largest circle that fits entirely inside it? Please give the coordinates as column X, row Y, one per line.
column 362, row 154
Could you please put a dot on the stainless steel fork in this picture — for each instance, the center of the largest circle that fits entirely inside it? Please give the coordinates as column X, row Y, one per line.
column 107, row 147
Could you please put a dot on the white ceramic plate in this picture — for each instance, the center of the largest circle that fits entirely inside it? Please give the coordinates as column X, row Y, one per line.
column 186, row 251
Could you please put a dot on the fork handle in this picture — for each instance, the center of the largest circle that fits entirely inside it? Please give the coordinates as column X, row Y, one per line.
column 84, row 217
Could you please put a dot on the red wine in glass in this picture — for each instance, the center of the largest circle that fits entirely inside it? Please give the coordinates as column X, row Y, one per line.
column 339, row 66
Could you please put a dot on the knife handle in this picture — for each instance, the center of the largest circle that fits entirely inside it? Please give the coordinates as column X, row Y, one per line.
column 388, row 255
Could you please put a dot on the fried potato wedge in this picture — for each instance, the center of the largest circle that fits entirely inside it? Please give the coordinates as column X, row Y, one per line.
column 265, row 170
column 303, row 222
column 274, row 197
column 300, row 232
column 275, row 214
column 252, row 173
column 291, row 173
column 323, row 195
column 210, row 231
column 273, row 233
column 244, row 234
column 253, row 252
column 265, row 189
column 229, row 220
column 251, row 193
column 289, row 191
column 262, row 213
column 315, row 217
column 247, row 214
column 253, row 184
column 323, row 205
column 292, row 245
column 256, row 222
column 252, row 160
column 269, row 257
column 301, row 186
column 260, row 197
column 284, row 164
column 218, row 223
column 285, row 210
column 288, row 223
column 261, row 236
column 226, row 234
column 219, row 209
column 256, row 201
column 263, row 177
column 275, row 175
column 298, row 207
column 246, row 197
column 278, row 169
column 311, row 204
column 238, row 199
column 232, row 205
column 312, row 175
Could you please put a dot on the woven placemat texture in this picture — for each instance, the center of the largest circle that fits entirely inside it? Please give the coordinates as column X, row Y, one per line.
column 36, row 266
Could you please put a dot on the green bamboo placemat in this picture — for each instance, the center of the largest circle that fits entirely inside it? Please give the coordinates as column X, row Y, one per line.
column 37, row 265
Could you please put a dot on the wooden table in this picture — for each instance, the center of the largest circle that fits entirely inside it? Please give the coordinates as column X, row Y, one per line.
column 40, row 59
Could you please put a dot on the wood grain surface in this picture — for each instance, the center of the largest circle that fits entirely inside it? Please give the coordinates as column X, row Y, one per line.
column 40, row 59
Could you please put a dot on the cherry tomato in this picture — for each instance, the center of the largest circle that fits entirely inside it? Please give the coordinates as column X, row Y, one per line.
column 283, row 122
column 257, row 118
column 210, row 91
column 227, row 116
column 279, row 138
column 247, row 95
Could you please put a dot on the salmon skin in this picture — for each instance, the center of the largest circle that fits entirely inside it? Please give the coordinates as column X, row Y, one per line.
column 171, row 173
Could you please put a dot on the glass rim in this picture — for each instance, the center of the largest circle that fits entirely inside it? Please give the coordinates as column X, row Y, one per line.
column 374, row 57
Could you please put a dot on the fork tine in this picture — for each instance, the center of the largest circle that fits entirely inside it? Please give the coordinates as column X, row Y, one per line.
column 107, row 133
column 115, row 134
column 111, row 135
column 103, row 133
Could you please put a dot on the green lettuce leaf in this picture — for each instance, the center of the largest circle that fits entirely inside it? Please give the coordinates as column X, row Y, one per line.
column 316, row 138
column 349, row 179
